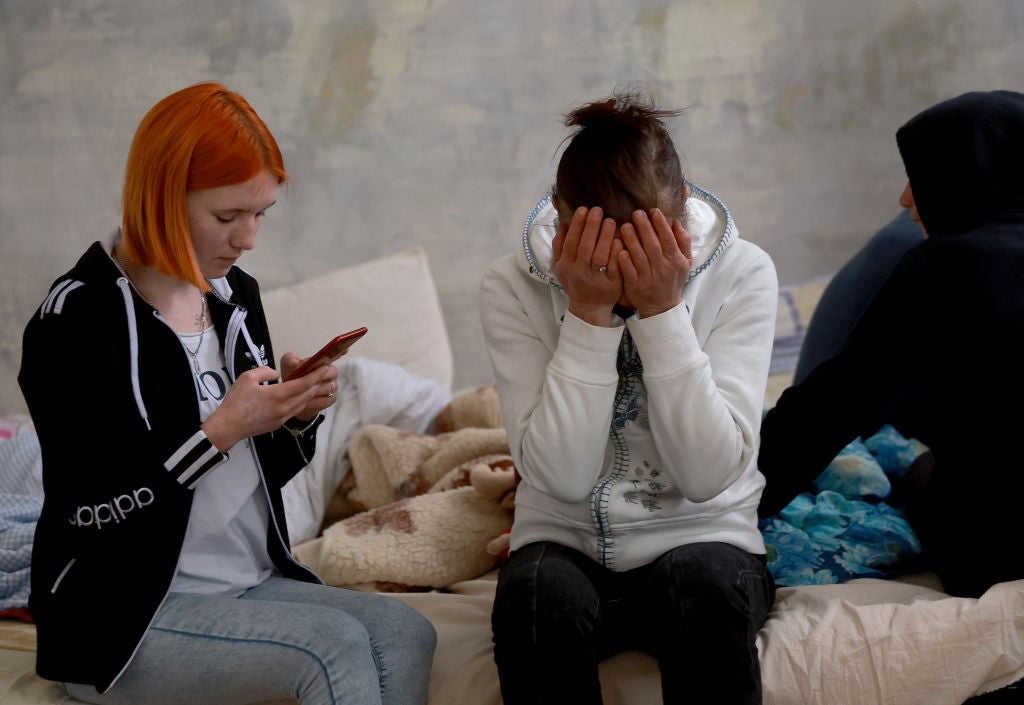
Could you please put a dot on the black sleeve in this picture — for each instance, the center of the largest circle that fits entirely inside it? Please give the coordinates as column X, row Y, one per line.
column 845, row 395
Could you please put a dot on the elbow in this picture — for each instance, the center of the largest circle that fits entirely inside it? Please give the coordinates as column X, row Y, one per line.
column 700, row 494
column 556, row 486
column 565, row 477
column 567, row 493
column 706, row 487
column 571, row 495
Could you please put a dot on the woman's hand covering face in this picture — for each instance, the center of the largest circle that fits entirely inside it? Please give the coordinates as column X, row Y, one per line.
column 643, row 264
column 585, row 259
column 655, row 260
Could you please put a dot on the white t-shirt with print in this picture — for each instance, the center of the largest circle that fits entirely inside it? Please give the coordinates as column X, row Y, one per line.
column 225, row 548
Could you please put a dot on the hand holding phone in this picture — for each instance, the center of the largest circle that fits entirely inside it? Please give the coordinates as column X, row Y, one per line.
column 334, row 349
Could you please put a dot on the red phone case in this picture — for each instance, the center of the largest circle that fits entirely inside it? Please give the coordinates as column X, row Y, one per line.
column 332, row 351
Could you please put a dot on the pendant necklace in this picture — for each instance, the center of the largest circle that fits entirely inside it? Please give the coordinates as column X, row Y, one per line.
column 200, row 319
column 201, row 322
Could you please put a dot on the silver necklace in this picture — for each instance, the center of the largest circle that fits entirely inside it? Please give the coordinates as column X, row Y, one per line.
column 201, row 322
column 201, row 319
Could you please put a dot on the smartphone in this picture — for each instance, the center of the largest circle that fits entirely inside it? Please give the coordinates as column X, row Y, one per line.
column 332, row 351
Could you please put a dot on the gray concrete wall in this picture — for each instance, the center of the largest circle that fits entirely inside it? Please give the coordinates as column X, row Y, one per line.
column 436, row 121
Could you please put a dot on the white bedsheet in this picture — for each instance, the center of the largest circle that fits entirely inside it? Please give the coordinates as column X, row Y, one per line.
column 865, row 642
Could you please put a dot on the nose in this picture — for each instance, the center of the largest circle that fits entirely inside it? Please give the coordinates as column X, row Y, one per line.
column 907, row 197
column 244, row 236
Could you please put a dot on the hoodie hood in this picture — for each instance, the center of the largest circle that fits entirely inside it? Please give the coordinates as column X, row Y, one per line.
column 708, row 221
column 964, row 158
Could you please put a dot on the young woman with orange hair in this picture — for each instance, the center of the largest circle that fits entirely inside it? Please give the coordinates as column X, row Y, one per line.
column 162, row 535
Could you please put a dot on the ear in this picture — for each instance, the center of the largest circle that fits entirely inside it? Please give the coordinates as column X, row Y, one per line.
column 686, row 192
column 560, row 217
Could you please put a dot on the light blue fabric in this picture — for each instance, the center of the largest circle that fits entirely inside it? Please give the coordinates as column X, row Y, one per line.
column 855, row 473
column 892, row 451
column 282, row 639
column 845, row 530
column 21, row 465
column 21, row 500
column 18, row 517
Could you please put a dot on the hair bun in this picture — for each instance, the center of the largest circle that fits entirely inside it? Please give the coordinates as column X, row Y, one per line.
column 620, row 157
column 621, row 110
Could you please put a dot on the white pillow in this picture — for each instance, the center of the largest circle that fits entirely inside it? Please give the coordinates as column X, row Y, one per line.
column 394, row 296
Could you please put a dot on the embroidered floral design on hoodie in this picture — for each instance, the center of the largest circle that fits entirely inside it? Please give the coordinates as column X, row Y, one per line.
column 631, row 408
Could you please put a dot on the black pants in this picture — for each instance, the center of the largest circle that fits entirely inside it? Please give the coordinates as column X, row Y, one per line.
column 697, row 609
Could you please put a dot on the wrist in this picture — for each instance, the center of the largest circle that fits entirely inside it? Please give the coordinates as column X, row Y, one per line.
column 300, row 428
column 217, row 435
column 650, row 310
column 595, row 316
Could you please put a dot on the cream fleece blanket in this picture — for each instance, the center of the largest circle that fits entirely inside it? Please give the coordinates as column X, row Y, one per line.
column 369, row 392
column 407, row 517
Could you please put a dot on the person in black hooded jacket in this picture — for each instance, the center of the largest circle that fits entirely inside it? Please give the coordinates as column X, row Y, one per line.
column 941, row 340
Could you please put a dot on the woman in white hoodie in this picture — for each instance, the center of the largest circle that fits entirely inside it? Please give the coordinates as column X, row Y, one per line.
column 630, row 338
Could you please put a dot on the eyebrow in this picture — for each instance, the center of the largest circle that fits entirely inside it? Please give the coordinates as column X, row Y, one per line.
column 244, row 210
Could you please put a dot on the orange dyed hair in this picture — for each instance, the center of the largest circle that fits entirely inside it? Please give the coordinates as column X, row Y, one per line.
column 200, row 137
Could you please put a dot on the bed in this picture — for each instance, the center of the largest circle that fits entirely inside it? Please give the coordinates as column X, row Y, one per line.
column 866, row 641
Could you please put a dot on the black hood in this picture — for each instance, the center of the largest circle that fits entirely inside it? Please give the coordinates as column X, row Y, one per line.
column 964, row 158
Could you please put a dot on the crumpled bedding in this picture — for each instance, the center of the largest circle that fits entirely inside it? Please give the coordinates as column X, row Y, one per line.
column 847, row 529
column 21, row 500
column 862, row 642
column 409, row 515
column 843, row 530
column 369, row 392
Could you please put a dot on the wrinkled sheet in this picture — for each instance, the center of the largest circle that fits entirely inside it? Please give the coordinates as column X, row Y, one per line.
column 865, row 642
column 21, row 500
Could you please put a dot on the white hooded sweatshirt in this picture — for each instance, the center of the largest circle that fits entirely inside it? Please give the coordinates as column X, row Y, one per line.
column 638, row 438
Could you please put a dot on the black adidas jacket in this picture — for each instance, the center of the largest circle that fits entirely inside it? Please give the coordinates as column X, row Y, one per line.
column 113, row 398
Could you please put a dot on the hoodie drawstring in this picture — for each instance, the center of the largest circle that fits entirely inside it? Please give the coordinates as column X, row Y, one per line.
column 133, row 340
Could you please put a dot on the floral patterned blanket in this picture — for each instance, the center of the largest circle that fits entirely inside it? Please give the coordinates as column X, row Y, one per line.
column 854, row 525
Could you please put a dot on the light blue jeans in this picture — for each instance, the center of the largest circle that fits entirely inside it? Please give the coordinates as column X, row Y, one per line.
column 318, row 644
